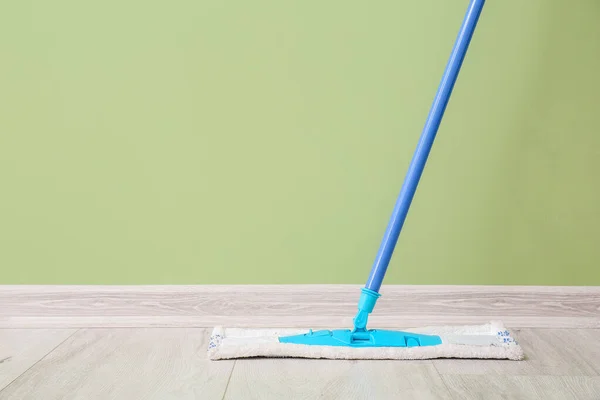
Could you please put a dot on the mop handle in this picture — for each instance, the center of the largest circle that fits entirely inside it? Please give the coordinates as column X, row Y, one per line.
column 419, row 159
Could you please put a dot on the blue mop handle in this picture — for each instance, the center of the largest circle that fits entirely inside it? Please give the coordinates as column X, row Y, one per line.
column 423, row 148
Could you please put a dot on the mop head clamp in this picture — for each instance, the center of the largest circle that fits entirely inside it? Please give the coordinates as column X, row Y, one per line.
column 360, row 336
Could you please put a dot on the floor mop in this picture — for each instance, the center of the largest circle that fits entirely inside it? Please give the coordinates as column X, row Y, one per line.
column 491, row 340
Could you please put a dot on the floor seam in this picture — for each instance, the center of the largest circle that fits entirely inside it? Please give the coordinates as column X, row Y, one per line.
column 228, row 380
column 437, row 371
column 38, row 361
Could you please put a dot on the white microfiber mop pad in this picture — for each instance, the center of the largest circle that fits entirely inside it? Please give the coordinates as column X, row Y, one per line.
column 472, row 341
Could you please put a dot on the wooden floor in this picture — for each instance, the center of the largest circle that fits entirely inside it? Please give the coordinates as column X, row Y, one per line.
column 170, row 363
column 149, row 342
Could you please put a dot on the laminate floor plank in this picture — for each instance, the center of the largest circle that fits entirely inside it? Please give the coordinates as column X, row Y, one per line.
column 334, row 379
column 496, row 387
column 170, row 363
column 20, row 349
column 125, row 364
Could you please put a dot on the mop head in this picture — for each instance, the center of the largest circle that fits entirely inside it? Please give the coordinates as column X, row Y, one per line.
column 491, row 341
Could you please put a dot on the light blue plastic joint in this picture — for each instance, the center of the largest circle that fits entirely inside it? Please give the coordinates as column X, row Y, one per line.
column 366, row 303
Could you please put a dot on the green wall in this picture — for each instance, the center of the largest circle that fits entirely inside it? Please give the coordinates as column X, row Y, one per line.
column 265, row 142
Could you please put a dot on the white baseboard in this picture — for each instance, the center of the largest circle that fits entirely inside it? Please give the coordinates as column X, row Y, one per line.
column 295, row 305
